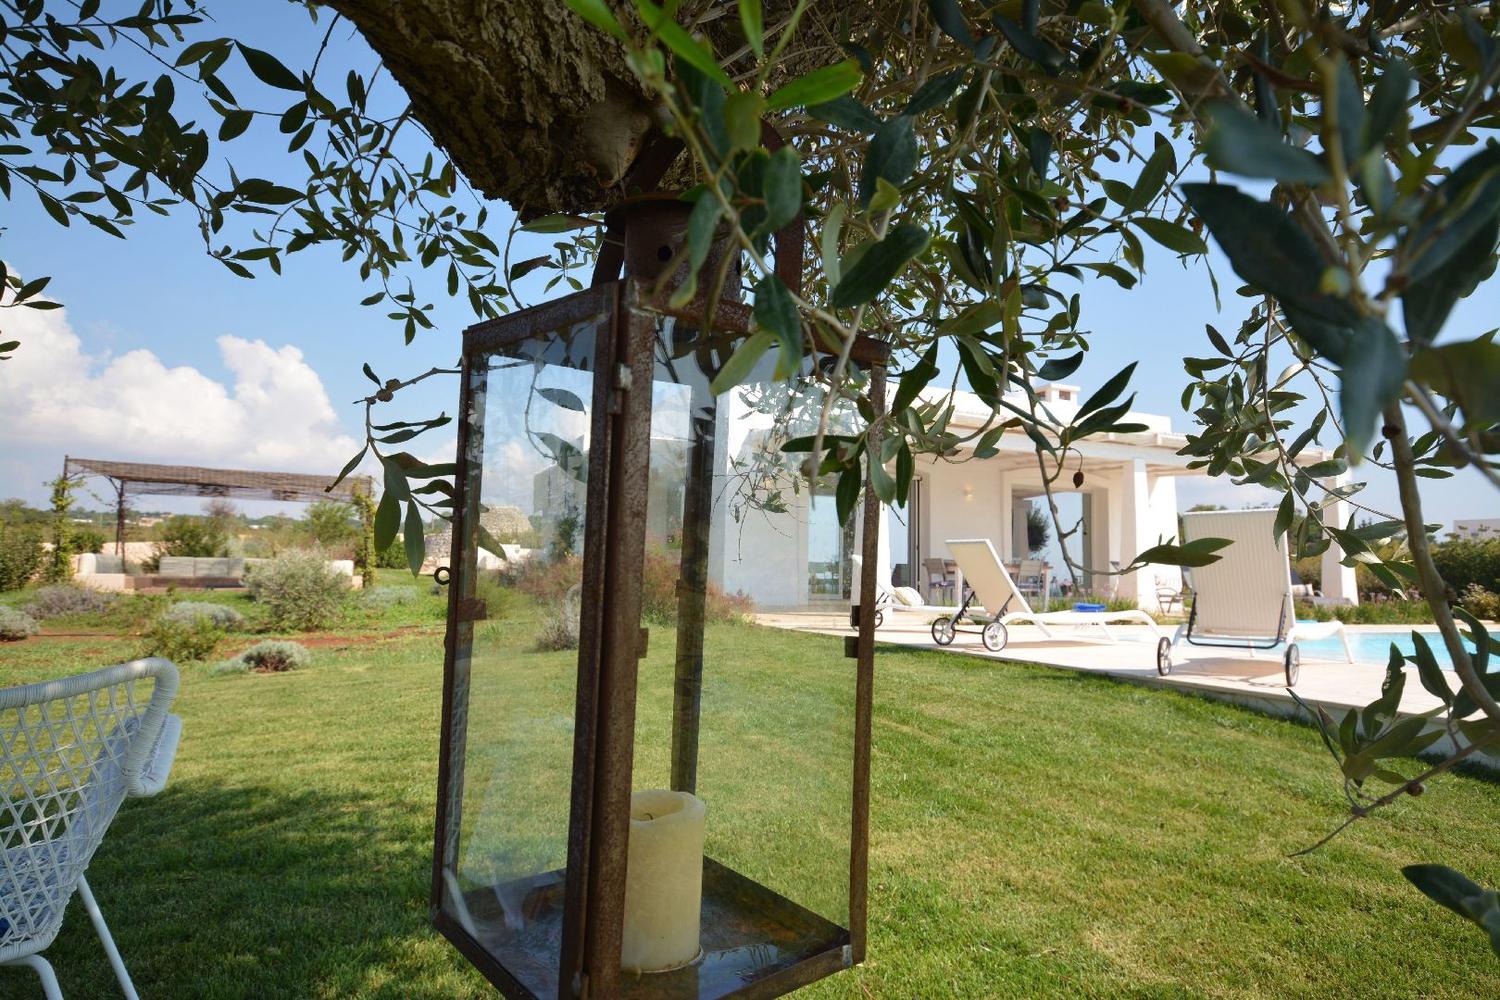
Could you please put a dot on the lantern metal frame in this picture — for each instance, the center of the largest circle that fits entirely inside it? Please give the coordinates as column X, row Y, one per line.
column 611, row 642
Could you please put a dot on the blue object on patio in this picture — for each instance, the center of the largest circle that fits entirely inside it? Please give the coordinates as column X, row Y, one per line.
column 1093, row 608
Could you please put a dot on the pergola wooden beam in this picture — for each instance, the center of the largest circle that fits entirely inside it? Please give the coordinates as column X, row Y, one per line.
column 151, row 479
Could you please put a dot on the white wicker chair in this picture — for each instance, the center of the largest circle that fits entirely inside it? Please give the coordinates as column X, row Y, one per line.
column 71, row 751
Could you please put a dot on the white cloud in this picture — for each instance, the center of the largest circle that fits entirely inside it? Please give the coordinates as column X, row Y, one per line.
column 271, row 413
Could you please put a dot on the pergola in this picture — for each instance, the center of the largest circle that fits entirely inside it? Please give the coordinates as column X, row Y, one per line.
column 145, row 478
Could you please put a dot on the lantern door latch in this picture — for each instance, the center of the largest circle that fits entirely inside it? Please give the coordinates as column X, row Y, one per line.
column 472, row 609
column 624, row 377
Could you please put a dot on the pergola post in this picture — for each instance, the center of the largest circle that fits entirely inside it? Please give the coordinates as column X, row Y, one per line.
column 120, row 519
column 1339, row 581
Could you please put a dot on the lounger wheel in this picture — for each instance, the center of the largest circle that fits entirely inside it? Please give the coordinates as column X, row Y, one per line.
column 1292, row 662
column 879, row 618
column 995, row 636
column 943, row 631
column 1164, row 656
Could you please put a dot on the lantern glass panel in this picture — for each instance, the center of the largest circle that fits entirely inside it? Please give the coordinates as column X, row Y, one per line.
column 531, row 408
column 766, row 743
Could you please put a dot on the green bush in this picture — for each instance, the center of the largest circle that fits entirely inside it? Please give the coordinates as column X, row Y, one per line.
column 381, row 598
column 15, row 624
column 1481, row 603
column 299, row 591
column 659, row 593
column 558, row 628
column 1466, row 562
column 60, row 600
column 88, row 539
column 1065, row 602
column 181, row 641
column 233, row 665
column 546, row 580
column 273, row 656
column 1368, row 613
column 187, row 535
column 393, row 556
column 499, row 599
column 221, row 615
column 20, row 554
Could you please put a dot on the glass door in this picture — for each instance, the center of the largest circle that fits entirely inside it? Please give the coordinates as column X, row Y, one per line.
column 829, row 548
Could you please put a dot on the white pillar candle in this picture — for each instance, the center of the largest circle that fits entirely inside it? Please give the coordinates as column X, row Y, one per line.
column 663, row 881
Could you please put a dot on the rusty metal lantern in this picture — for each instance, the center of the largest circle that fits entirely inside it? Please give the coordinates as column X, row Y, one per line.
column 592, row 416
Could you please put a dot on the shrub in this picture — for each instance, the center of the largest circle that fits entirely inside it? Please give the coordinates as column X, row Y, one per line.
column 88, row 539
column 181, row 641
column 378, row 599
column 1374, row 612
column 1467, row 561
column 558, row 628
column 233, row 665
column 275, row 656
column 659, row 593
column 499, row 600
column 15, row 624
column 393, row 556
column 548, row 581
column 298, row 590
column 332, row 526
column 1310, row 571
column 221, row 615
column 61, row 599
column 1481, row 603
column 20, row 554
column 187, row 535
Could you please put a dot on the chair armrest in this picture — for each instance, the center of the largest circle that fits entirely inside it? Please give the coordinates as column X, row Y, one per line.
column 158, row 769
column 143, row 775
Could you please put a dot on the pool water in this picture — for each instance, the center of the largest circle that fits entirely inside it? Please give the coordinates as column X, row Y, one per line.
column 1375, row 647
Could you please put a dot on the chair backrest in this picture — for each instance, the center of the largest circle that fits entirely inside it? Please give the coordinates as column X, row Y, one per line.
column 984, row 571
column 936, row 570
column 71, row 750
column 1247, row 593
column 1030, row 569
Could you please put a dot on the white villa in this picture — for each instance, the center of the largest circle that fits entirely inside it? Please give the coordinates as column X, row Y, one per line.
column 1128, row 499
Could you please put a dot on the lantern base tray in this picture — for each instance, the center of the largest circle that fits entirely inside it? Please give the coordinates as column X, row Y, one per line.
column 755, row 941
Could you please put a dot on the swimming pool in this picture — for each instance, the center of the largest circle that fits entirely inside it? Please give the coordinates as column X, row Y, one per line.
column 1375, row 647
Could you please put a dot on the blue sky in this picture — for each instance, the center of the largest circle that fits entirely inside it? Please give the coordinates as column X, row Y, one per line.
column 262, row 373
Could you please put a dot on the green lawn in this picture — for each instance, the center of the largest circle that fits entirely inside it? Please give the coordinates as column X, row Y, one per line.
column 1035, row 833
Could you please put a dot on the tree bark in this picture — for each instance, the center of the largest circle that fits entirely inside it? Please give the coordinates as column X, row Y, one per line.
column 533, row 104
column 536, row 106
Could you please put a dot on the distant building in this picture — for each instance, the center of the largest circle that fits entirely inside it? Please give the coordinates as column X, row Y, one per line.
column 1478, row 527
column 504, row 522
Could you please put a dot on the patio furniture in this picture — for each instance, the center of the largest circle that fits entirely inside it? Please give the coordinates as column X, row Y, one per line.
column 1245, row 599
column 908, row 600
column 71, row 751
column 986, row 574
column 1031, row 578
column 938, row 577
column 1167, row 595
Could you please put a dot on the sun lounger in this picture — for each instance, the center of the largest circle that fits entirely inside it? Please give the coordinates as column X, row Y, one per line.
column 987, row 577
column 908, row 600
column 1245, row 599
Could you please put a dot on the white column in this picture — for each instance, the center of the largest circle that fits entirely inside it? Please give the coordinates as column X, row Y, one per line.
column 1006, row 540
column 1136, row 534
column 882, row 553
column 1338, row 580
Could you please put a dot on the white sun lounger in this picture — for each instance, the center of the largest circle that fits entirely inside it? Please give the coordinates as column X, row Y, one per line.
column 908, row 600
column 1244, row 600
column 987, row 577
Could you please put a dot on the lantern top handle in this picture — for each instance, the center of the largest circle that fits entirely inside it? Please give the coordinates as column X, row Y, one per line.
column 646, row 205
